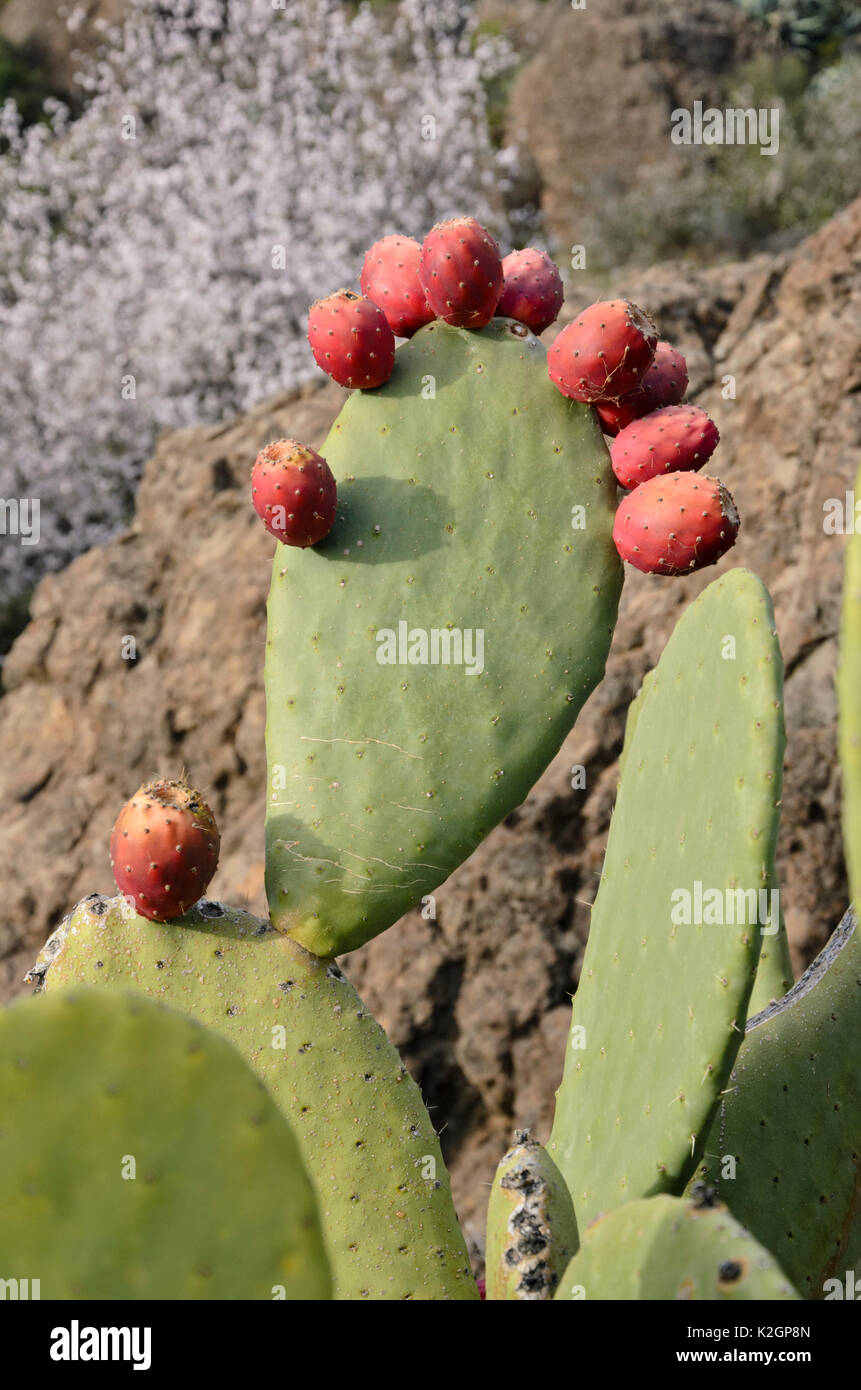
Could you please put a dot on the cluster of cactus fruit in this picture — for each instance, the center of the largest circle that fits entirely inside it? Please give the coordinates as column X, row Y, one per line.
column 608, row 357
column 707, row 1104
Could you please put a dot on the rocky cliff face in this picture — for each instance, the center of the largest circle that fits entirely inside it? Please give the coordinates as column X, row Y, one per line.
column 591, row 104
column 477, row 1001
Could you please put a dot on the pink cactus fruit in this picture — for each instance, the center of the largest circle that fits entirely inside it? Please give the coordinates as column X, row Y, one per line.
column 461, row 272
column 294, row 493
column 351, row 340
column 675, row 524
column 605, row 353
column 390, row 277
column 164, row 849
column 665, row 383
column 677, row 439
column 532, row 289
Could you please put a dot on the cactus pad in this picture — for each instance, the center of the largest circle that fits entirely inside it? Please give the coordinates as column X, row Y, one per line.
column 663, row 1248
column 457, row 487
column 217, row 1204
column 660, row 1008
column 365, row 1136
column 791, row 1121
column 531, row 1226
column 849, row 700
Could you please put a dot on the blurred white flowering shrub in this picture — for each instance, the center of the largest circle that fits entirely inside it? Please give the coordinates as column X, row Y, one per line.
column 158, row 254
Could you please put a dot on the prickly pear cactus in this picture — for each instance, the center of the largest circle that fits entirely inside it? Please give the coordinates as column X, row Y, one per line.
column 785, row 1148
column 365, row 1136
column 849, row 698
column 660, row 1009
column 426, row 661
column 664, row 1248
column 531, row 1226
column 774, row 975
column 141, row 1158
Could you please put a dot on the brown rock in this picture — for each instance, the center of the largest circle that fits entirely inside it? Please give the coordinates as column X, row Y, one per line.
column 592, row 105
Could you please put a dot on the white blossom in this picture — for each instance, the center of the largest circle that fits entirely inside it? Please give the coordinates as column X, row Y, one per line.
column 158, row 254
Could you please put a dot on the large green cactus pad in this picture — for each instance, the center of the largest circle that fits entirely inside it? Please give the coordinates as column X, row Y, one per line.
column 663, row 1248
column 457, row 482
column 141, row 1158
column 660, row 1008
column 365, row 1136
column 531, row 1226
column 849, row 699
column 789, row 1126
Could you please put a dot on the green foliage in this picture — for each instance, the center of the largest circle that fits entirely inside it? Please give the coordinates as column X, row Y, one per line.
column 217, row 1204
column 23, row 80
column 457, row 481
column 817, row 28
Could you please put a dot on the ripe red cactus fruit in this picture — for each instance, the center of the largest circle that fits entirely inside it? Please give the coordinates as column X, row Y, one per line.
column 532, row 289
column 676, row 524
column 605, row 353
column 294, row 493
column 351, row 340
column 665, row 383
column 164, row 849
column 390, row 278
column 677, row 439
column 461, row 272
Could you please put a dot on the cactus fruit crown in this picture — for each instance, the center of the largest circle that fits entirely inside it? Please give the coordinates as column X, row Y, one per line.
column 176, row 794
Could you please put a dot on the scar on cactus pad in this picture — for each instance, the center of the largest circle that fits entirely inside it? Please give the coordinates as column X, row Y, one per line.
column 164, row 849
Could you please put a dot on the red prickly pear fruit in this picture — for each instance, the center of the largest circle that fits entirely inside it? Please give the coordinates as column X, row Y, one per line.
column 677, row 439
column 676, row 524
column 294, row 493
column 532, row 289
column 665, row 383
column 605, row 353
column 461, row 272
column 164, row 849
column 390, row 278
column 351, row 340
